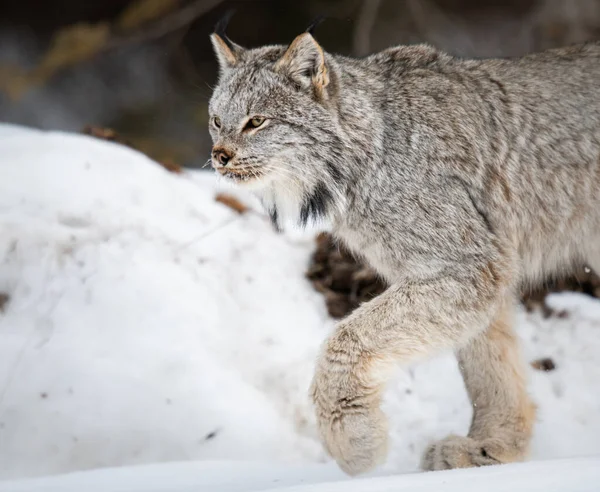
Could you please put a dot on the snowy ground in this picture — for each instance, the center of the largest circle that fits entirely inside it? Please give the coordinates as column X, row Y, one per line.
column 572, row 475
column 148, row 323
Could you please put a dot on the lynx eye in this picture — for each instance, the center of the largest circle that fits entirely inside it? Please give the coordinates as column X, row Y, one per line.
column 256, row 122
column 217, row 122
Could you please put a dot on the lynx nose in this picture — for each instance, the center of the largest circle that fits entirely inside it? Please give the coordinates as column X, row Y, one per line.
column 222, row 156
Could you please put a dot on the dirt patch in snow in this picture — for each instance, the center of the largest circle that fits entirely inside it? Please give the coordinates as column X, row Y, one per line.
column 546, row 364
column 111, row 135
column 347, row 282
column 4, row 298
column 344, row 281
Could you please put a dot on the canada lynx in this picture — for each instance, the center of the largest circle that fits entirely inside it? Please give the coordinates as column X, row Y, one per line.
column 457, row 180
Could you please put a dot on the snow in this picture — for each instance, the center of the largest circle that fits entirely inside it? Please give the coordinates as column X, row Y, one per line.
column 572, row 475
column 148, row 323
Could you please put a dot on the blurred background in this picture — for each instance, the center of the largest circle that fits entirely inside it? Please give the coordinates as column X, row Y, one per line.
column 145, row 68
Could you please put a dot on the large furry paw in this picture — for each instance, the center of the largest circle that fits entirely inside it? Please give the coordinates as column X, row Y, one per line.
column 352, row 427
column 460, row 452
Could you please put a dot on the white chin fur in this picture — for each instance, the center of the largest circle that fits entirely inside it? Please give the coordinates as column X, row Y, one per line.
column 253, row 184
column 283, row 194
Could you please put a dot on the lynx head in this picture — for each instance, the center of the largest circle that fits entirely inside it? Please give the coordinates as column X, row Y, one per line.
column 274, row 125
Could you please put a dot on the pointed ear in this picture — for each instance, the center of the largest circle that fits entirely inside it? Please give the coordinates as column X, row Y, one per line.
column 228, row 53
column 304, row 62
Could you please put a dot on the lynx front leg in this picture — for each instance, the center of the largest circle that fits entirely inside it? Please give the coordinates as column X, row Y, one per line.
column 406, row 323
column 503, row 415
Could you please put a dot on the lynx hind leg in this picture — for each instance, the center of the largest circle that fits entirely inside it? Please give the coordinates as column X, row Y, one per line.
column 503, row 414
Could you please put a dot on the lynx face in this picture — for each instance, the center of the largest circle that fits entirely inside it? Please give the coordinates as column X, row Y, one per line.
column 272, row 128
column 258, row 137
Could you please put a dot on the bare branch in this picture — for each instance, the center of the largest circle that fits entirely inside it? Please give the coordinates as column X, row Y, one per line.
column 82, row 41
column 168, row 24
column 364, row 26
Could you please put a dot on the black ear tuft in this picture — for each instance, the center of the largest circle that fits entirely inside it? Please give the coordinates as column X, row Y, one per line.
column 221, row 27
column 315, row 23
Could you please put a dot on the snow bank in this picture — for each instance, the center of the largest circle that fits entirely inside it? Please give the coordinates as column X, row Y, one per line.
column 148, row 323
column 573, row 475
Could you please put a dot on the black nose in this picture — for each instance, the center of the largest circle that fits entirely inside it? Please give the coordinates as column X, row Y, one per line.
column 222, row 156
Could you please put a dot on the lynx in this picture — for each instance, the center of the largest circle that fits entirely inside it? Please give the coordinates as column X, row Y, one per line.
column 459, row 181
